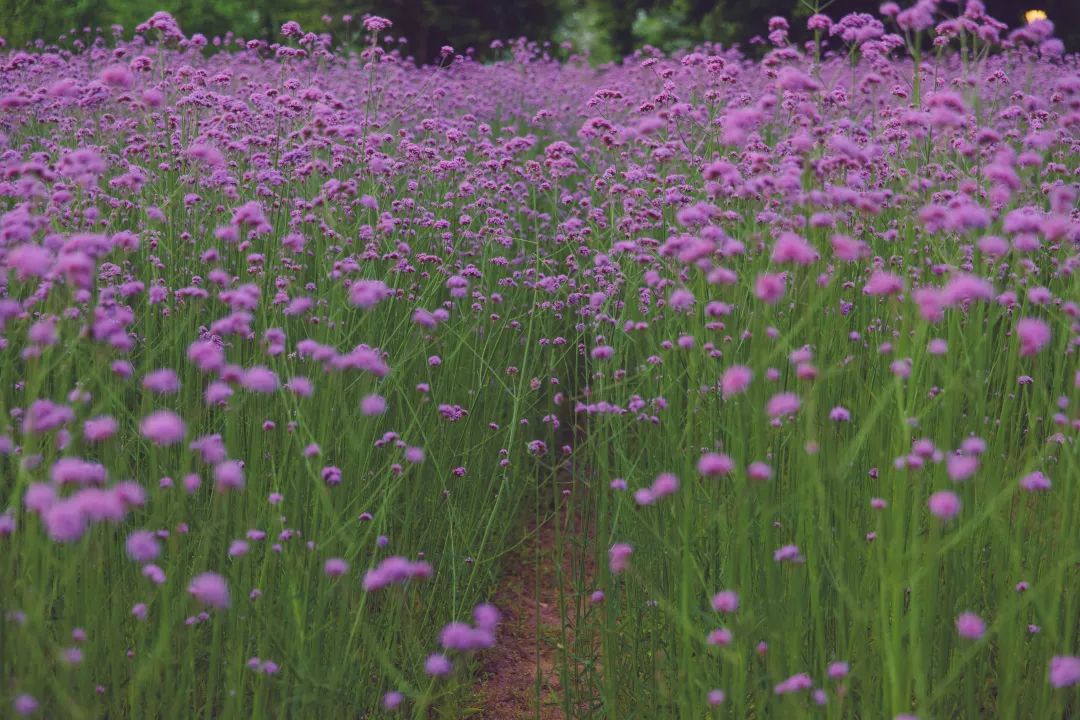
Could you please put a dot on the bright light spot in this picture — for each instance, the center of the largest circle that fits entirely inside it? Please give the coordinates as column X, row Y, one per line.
column 1033, row 15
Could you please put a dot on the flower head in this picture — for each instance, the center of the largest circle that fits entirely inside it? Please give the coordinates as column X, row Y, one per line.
column 944, row 504
column 1064, row 671
column 970, row 626
column 210, row 589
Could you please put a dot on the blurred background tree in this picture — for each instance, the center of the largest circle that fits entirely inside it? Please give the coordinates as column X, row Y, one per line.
column 606, row 29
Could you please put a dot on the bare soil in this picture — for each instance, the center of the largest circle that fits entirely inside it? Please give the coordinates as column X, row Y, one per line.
column 528, row 598
column 520, row 676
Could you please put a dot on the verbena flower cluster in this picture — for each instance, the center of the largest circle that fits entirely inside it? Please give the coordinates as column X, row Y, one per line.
column 296, row 338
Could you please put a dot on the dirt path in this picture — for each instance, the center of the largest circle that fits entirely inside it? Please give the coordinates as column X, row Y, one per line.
column 525, row 662
column 528, row 598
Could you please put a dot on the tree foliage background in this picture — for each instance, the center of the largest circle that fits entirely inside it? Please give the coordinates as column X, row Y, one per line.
column 607, row 29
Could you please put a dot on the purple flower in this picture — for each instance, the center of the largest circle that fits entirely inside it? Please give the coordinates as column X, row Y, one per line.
column 25, row 705
column 229, row 475
column 76, row 471
column 1064, row 671
column 715, row 465
column 374, row 23
column 769, row 288
column 944, row 504
column 460, row 636
column 437, row 665
column 720, row 638
column 1035, row 482
column 970, row 626
column 726, row 601
column 759, row 471
column 392, row 700
column 602, row 352
column 665, row 484
column 373, row 405
column 795, row 683
column 368, row 293
column 839, row 414
column 961, row 467
column 99, row 429
column 1034, row 335
column 154, row 574
column 210, row 589
column 143, row 546
column 735, row 380
column 782, row 404
column 163, row 428
column 336, row 567
column 259, row 379
column 65, row 521
column 619, row 557
column 395, row 570
column 487, row 616
column 883, row 283
column 162, row 382
column 788, row 553
column 117, row 76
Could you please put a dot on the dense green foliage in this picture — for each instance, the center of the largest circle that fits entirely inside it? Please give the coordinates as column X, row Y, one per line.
column 608, row 29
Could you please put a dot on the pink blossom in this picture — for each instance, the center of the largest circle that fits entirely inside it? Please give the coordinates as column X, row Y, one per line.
column 970, row 626
column 210, row 589
column 619, row 557
column 1034, row 335
column 163, row 427
column 944, row 504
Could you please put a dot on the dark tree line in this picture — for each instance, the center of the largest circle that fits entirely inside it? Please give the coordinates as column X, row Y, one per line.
column 608, row 29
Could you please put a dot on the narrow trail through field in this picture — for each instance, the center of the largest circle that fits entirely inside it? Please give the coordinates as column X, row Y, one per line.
column 523, row 658
column 522, row 676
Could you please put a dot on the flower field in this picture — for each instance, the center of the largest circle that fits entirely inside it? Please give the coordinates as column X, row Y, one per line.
column 302, row 347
